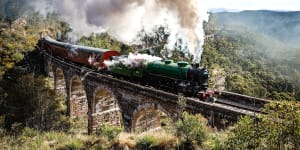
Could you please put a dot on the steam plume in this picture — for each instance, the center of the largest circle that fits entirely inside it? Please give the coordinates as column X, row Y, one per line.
column 132, row 61
column 123, row 19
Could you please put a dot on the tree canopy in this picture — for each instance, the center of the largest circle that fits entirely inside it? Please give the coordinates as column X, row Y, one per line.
column 250, row 61
column 279, row 129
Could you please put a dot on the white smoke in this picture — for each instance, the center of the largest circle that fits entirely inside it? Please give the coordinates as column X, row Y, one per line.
column 124, row 19
column 132, row 60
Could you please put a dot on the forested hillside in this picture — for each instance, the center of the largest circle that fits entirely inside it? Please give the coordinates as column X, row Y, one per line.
column 283, row 26
column 254, row 62
column 33, row 115
column 24, row 91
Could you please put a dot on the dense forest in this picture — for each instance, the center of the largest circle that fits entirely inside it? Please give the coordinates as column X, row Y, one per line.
column 33, row 115
column 254, row 62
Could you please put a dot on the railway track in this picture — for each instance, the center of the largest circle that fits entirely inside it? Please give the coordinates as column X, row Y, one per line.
column 237, row 105
column 240, row 101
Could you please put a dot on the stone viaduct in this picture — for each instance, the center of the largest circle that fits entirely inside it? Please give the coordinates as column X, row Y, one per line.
column 103, row 99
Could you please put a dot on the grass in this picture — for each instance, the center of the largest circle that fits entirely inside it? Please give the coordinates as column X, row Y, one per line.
column 127, row 140
column 147, row 140
column 74, row 144
column 76, row 138
column 43, row 140
column 32, row 139
column 28, row 138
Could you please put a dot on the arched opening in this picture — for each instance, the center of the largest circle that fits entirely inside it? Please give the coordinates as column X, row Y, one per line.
column 78, row 100
column 150, row 118
column 105, row 108
column 60, row 84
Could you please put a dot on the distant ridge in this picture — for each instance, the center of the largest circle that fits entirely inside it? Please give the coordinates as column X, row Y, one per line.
column 216, row 10
column 282, row 25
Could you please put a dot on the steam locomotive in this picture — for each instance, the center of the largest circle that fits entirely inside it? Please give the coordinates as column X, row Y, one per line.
column 164, row 74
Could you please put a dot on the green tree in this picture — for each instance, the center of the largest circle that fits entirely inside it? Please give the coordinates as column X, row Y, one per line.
column 65, row 28
column 32, row 102
column 244, row 136
column 191, row 129
column 181, row 104
column 13, row 10
column 279, row 129
column 103, row 40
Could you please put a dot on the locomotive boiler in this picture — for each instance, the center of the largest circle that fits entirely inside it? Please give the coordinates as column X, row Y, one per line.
column 179, row 77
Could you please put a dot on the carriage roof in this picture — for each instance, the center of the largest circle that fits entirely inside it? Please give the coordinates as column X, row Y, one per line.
column 76, row 48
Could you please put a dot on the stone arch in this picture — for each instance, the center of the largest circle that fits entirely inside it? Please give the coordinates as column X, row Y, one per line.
column 78, row 100
column 60, row 84
column 105, row 108
column 148, row 117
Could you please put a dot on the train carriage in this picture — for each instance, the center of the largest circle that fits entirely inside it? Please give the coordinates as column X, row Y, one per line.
column 89, row 56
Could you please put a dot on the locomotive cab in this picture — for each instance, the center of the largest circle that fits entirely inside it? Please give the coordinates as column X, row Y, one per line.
column 199, row 76
column 204, row 78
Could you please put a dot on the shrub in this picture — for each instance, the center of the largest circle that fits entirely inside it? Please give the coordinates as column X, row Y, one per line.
column 216, row 141
column 109, row 131
column 29, row 132
column 146, row 142
column 2, row 121
column 16, row 128
column 75, row 145
column 191, row 128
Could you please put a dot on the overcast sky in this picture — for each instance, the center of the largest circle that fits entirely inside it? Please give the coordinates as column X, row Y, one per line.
column 282, row 5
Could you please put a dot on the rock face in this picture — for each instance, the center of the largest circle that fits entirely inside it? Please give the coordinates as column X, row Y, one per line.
column 218, row 77
column 220, row 83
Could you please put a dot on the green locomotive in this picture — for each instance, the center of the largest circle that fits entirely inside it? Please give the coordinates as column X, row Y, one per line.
column 167, row 75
